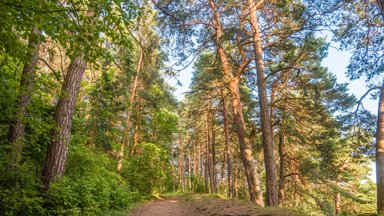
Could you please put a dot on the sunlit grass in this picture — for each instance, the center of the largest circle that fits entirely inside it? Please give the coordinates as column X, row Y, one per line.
column 127, row 211
column 177, row 193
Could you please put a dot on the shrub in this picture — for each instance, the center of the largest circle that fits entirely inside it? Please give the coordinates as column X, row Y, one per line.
column 146, row 172
column 89, row 187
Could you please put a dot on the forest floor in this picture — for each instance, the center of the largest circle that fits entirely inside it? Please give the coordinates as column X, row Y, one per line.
column 198, row 204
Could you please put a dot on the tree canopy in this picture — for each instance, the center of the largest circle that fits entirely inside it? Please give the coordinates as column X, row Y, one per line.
column 90, row 124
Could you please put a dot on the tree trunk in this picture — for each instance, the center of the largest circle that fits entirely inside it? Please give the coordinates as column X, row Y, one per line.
column 281, row 168
column 125, row 140
column 200, row 160
column 206, row 182
column 208, row 155
column 380, row 155
column 227, row 148
column 380, row 3
column 195, row 161
column 245, row 147
column 136, row 135
column 213, row 159
column 236, row 182
column 189, row 168
column 247, row 158
column 54, row 164
column 173, row 169
column 269, row 157
column 337, row 198
column 181, row 162
column 17, row 128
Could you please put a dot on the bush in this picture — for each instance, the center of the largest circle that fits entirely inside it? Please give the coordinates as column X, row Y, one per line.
column 17, row 201
column 19, row 191
column 90, row 186
column 147, row 172
column 198, row 184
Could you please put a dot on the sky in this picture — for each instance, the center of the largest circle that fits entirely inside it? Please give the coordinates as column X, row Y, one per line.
column 336, row 62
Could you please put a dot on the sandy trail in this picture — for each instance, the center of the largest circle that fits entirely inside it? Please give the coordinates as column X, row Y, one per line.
column 171, row 206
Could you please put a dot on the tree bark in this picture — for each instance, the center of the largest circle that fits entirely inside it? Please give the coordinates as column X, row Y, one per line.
column 380, row 155
column 228, row 154
column 17, row 128
column 281, row 168
column 208, row 155
column 199, row 155
column 181, row 162
column 195, row 161
column 247, row 157
column 136, row 135
column 189, row 167
column 380, row 3
column 54, row 164
column 213, row 158
column 206, row 181
column 337, row 198
column 266, row 127
column 173, row 169
column 125, row 140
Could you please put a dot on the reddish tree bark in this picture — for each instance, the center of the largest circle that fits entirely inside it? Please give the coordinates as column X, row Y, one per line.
column 208, row 153
column 181, row 162
column 244, row 143
column 266, row 127
column 228, row 154
column 380, row 154
column 125, row 140
column 212, row 155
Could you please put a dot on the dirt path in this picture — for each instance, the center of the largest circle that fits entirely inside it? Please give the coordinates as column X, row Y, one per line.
column 204, row 205
column 171, row 206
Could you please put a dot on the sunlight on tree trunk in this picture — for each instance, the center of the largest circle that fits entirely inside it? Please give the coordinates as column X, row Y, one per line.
column 380, row 155
column 266, row 127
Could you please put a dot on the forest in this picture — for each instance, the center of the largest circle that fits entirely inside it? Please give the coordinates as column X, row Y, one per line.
column 90, row 124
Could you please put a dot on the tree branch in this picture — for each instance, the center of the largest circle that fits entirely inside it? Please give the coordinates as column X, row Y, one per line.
column 50, row 67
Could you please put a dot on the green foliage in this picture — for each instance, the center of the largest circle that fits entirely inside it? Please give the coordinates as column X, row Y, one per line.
column 90, row 186
column 147, row 171
column 309, row 105
column 197, row 184
column 16, row 201
column 106, row 107
column 20, row 191
column 164, row 126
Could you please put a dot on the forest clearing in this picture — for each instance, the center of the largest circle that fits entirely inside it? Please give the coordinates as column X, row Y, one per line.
column 93, row 122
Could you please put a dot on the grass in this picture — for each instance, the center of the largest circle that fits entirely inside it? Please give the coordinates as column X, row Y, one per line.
column 177, row 194
column 126, row 211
